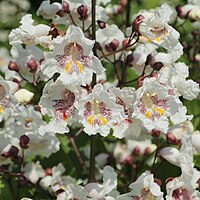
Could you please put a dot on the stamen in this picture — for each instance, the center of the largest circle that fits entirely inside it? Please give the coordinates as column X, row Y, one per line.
column 79, row 66
column 67, row 66
column 90, row 119
column 1, row 109
column 102, row 119
column 159, row 110
column 148, row 114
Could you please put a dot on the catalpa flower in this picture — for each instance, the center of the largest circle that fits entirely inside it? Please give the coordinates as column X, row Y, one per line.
column 155, row 104
column 59, row 102
column 143, row 188
column 73, row 58
column 98, row 111
column 155, row 27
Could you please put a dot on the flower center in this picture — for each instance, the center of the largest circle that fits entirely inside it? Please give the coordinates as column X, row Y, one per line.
column 151, row 106
column 96, row 113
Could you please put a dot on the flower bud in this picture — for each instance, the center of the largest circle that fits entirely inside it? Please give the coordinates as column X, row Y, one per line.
column 148, row 59
column 119, row 9
column 112, row 46
column 128, row 160
column 171, row 139
column 83, row 12
column 48, row 171
column 13, row 66
column 129, row 58
column 23, row 96
column 41, row 61
column 147, row 151
column 61, row 13
column 157, row 66
column 65, row 7
column 23, row 141
column 140, row 81
column 136, row 22
column 14, row 152
column 167, row 180
column 125, row 42
column 101, row 24
column 158, row 181
column 155, row 132
column 32, row 65
column 136, row 151
column 179, row 11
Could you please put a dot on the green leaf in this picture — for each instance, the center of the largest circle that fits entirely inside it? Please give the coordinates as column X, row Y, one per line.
column 196, row 159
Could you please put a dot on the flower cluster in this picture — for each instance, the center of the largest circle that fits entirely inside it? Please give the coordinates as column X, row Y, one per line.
column 83, row 73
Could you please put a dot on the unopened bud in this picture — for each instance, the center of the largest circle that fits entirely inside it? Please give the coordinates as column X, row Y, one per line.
column 136, row 151
column 65, row 6
column 129, row 58
column 41, row 61
column 136, row 22
column 61, row 13
column 101, row 24
column 13, row 66
column 147, row 151
column 14, row 151
column 32, row 65
column 155, row 132
column 179, row 11
column 128, row 160
column 83, row 12
column 169, row 179
column 158, row 181
column 148, row 59
column 119, row 9
column 112, row 46
column 23, row 141
column 125, row 42
column 171, row 139
column 23, row 96
column 157, row 66
column 140, row 81
column 48, row 171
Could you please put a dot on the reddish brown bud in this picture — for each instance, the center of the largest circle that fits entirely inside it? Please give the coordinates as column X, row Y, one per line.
column 169, row 179
column 179, row 11
column 112, row 46
column 13, row 66
column 41, row 61
column 147, row 151
column 125, row 42
column 136, row 151
column 148, row 59
column 140, row 81
column 101, row 24
column 83, row 12
column 155, row 132
column 136, row 22
column 119, row 9
column 157, row 66
column 14, row 151
column 48, row 171
column 171, row 139
column 128, row 160
column 65, row 7
column 32, row 65
column 158, row 181
column 23, row 141
column 129, row 58
column 61, row 13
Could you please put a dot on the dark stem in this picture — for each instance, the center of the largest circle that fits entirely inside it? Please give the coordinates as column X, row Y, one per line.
column 128, row 13
column 78, row 155
column 94, row 81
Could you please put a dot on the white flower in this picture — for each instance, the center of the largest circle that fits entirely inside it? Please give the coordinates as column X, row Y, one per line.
column 23, row 96
column 5, row 101
column 47, row 10
column 154, row 105
column 27, row 57
column 155, row 27
column 98, row 111
column 29, row 34
column 59, row 102
column 175, row 76
column 143, row 188
column 34, row 171
column 73, row 58
column 100, row 191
